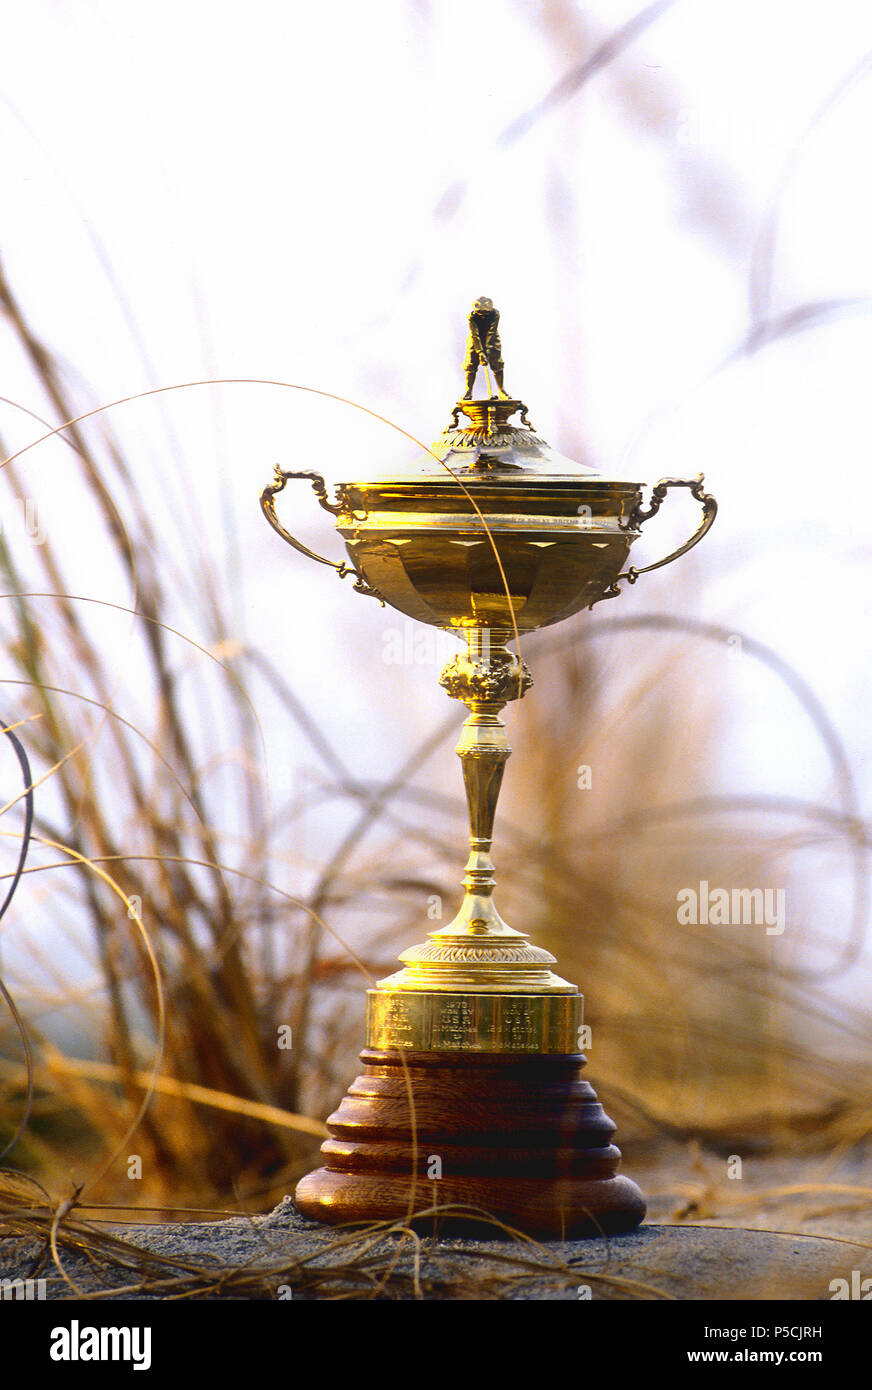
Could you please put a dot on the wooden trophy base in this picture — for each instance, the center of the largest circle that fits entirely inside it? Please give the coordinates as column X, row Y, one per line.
column 519, row 1137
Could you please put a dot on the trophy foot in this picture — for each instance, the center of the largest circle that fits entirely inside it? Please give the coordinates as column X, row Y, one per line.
column 521, row 1139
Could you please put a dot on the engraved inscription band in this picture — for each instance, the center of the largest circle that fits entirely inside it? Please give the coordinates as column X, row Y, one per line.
column 443, row 1022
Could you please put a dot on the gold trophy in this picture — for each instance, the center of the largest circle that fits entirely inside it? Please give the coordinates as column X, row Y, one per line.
column 472, row 1096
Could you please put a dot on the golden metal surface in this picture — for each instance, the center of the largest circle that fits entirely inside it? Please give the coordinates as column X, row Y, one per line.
column 506, row 535
column 439, row 566
column 426, row 1022
column 478, row 951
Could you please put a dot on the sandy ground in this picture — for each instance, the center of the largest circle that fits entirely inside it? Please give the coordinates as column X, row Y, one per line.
column 786, row 1229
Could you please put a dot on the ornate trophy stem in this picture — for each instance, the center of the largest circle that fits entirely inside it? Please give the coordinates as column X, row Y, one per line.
column 485, row 679
column 483, row 751
column 477, row 982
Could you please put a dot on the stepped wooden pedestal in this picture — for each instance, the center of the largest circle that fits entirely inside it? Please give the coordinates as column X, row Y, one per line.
column 521, row 1137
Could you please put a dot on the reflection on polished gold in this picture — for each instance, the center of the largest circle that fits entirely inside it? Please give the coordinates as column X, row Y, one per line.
column 495, row 533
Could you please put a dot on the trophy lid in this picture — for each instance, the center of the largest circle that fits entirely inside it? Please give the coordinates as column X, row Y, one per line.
column 491, row 446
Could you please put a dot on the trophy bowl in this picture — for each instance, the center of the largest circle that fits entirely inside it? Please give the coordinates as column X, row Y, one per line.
column 474, row 1048
column 496, row 530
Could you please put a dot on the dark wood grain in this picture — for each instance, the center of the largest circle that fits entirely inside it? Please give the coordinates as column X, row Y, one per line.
column 522, row 1138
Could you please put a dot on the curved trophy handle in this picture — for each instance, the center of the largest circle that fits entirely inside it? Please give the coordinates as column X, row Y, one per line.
column 640, row 514
column 267, row 503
